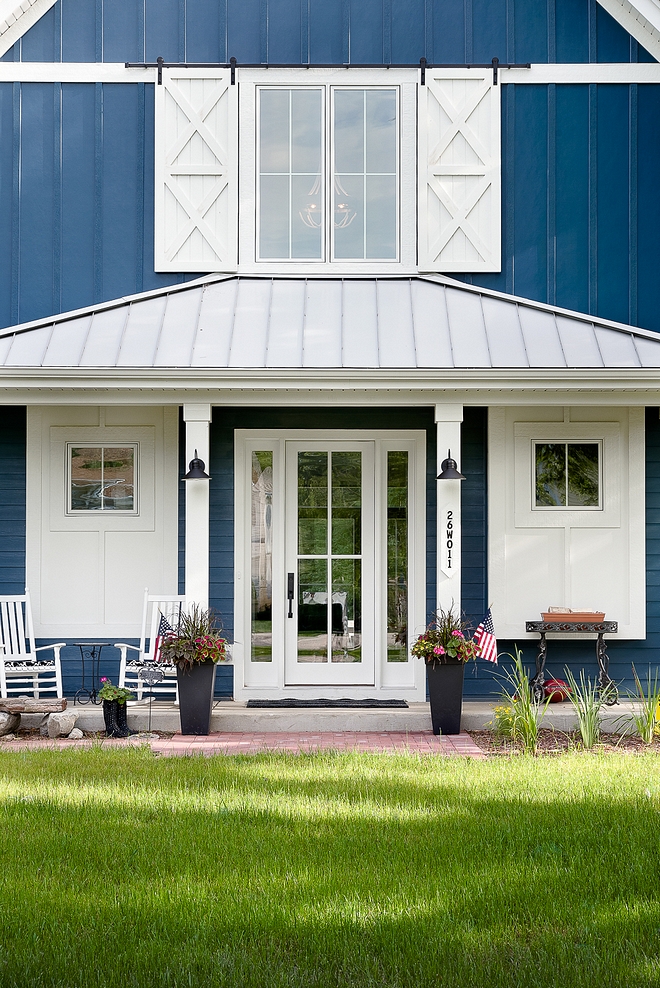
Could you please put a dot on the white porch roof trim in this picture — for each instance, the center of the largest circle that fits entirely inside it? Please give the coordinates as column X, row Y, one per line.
column 260, row 323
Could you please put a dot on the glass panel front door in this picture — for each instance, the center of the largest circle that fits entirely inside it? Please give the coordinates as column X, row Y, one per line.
column 330, row 563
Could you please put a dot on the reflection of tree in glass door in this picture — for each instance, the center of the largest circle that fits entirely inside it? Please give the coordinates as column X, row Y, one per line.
column 261, row 540
column 329, row 556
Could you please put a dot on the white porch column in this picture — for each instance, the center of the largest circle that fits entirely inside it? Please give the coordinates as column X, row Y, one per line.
column 198, row 421
column 448, row 420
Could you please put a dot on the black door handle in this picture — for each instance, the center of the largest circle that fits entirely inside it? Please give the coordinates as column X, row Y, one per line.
column 289, row 592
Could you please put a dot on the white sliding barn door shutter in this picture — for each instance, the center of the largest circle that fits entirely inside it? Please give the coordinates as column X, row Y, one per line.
column 460, row 171
column 196, row 171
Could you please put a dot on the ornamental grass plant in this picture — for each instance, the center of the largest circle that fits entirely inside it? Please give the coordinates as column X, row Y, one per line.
column 328, row 871
column 645, row 717
column 587, row 702
column 518, row 716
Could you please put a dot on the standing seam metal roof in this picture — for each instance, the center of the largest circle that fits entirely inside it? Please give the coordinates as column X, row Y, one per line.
column 256, row 322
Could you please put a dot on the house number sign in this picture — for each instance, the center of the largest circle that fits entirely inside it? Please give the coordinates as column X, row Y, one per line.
column 449, row 542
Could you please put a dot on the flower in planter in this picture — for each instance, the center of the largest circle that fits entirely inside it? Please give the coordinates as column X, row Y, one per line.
column 110, row 692
column 444, row 639
column 196, row 639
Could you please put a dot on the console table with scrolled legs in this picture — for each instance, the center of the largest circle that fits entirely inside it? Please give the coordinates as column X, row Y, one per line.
column 606, row 687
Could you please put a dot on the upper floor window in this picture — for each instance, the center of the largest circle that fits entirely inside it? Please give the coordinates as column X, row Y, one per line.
column 328, row 173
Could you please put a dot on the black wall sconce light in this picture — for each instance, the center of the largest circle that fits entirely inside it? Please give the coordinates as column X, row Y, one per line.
column 196, row 469
column 449, row 469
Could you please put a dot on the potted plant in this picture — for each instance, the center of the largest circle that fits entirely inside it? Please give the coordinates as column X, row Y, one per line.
column 114, row 708
column 445, row 649
column 194, row 647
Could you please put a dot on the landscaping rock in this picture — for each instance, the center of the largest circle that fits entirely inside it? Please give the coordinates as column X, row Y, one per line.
column 9, row 737
column 76, row 734
column 9, row 723
column 60, row 725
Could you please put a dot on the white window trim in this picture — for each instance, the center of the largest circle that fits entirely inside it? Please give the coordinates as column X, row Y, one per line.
column 406, row 82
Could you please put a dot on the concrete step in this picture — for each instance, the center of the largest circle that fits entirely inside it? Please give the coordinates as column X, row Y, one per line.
column 230, row 716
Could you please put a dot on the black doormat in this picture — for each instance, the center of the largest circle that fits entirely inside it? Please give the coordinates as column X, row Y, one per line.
column 326, row 703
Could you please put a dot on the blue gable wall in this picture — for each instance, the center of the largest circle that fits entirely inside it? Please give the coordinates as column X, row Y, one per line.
column 76, row 161
column 299, row 31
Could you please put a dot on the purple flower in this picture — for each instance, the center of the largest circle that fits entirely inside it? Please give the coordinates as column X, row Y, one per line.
column 458, row 634
column 438, row 650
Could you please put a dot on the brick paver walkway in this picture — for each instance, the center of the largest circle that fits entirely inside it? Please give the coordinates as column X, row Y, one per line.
column 235, row 743
column 420, row 742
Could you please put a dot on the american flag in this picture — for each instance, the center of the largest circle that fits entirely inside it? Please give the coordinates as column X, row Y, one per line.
column 163, row 627
column 485, row 638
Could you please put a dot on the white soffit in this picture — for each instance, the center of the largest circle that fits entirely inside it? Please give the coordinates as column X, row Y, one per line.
column 17, row 17
column 426, row 323
column 641, row 19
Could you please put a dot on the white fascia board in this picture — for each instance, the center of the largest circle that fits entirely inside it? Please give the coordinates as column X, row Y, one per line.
column 540, row 73
column 72, row 72
column 641, row 19
column 630, row 386
column 17, row 17
column 587, row 73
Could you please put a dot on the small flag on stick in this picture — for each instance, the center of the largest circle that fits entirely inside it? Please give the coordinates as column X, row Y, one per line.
column 485, row 639
column 163, row 627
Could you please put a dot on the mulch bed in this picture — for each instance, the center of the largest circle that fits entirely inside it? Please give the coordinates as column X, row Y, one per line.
column 553, row 742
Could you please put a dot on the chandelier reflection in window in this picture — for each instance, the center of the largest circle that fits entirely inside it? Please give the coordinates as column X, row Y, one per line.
column 311, row 213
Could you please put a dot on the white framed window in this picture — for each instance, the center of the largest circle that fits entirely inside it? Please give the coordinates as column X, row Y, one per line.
column 101, row 477
column 328, row 173
column 330, row 180
column 567, row 475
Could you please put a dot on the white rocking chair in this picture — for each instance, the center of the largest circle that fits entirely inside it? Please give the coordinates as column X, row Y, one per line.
column 21, row 670
column 158, row 611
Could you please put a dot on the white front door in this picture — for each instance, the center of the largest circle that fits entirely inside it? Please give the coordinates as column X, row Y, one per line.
column 329, row 627
column 330, row 563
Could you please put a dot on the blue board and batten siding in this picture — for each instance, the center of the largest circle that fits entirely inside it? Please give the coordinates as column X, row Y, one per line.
column 301, row 31
column 12, row 500
column 77, row 160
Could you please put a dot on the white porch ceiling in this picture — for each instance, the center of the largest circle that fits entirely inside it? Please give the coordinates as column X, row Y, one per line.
column 249, row 323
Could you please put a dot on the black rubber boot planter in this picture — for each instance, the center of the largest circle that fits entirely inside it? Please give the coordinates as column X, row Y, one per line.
column 122, row 724
column 110, row 718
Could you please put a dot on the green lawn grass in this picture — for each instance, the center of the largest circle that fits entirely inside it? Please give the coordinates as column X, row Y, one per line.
column 120, row 869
